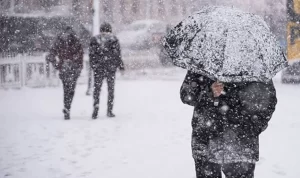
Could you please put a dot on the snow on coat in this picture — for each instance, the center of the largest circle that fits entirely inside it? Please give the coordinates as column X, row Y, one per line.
column 68, row 49
column 105, row 52
column 229, row 132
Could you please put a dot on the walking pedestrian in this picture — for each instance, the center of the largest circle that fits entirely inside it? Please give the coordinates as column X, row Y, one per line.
column 105, row 59
column 69, row 50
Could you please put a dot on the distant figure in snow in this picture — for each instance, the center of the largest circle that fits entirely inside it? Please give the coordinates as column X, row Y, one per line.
column 105, row 59
column 70, row 53
column 225, row 134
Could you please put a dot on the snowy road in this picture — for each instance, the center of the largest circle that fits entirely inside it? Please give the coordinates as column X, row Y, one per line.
column 149, row 138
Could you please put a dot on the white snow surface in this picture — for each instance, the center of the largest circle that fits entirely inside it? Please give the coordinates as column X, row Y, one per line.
column 149, row 138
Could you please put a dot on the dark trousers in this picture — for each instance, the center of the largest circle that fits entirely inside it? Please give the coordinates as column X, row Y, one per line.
column 99, row 76
column 69, row 91
column 90, row 73
column 233, row 170
column 69, row 81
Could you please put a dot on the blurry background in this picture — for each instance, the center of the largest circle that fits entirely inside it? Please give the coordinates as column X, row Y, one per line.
column 29, row 27
column 120, row 12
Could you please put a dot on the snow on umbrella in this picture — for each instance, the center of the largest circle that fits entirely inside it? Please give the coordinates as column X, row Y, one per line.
column 226, row 44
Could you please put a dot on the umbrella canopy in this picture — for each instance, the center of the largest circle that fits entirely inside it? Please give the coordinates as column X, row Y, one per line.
column 226, row 44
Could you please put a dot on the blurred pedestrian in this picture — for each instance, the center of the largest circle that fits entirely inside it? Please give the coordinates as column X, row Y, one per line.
column 68, row 49
column 105, row 59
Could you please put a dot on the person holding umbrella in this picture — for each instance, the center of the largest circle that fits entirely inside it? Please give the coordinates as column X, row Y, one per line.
column 231, row 57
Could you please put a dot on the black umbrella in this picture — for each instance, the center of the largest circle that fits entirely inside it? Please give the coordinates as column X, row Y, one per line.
column 227, row 45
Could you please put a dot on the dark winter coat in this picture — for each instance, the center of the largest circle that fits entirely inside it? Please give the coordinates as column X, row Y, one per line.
column 105, row 53
column 70, row 53
column 229, row 132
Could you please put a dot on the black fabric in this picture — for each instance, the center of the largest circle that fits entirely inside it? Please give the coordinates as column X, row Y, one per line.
column 229, row 132
column 98, row 81
column 90, row 79
column 105, row 27
column 69, row 91
column 233, row 170
column 207, row 169
column 70, row 53
column 67, row 47
column 105, row 59
column 69, row 78
column 105, row 53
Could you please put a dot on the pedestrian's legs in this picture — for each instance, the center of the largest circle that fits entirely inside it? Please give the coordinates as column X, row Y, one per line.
column 66, row 94
column 69, row 85
column 207, row 169
column 72, row 86
column 111, row 92
column 88, row 92
column 98, row 80
column 67, row 100
column 239, row 170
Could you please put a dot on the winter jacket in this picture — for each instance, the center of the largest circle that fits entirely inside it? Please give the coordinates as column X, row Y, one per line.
column 105, row 53
column 68, row 49
column 228, row 132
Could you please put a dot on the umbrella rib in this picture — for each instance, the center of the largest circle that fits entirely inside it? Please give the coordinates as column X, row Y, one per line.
column 191, row 40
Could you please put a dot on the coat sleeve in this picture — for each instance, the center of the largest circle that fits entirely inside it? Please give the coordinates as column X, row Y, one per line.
column 195, row 89
column 118, row 54
column 261, row 119
column 79, row 53
column 80, row 56
column 256, row 121
column 54, row 51
column 92, row 52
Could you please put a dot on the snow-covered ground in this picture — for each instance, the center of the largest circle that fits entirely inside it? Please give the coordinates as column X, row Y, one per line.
column 149, row 138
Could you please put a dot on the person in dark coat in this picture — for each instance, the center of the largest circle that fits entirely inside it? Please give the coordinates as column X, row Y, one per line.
column 69, row 50
column 105, row 59
column 227, row 121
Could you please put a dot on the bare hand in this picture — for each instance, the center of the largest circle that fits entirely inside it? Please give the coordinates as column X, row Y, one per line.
column 217, row 88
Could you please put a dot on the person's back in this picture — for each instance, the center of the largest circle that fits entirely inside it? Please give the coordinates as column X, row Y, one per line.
column 225, row 133
column 105, row 59
column 68, row 49
column 105, row 52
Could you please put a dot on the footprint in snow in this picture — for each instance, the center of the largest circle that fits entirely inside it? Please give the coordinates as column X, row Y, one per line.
column 277, row 170
column 7, row 175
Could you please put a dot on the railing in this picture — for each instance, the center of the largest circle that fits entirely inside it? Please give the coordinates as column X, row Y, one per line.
column 32, row 71
column 24, row 70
